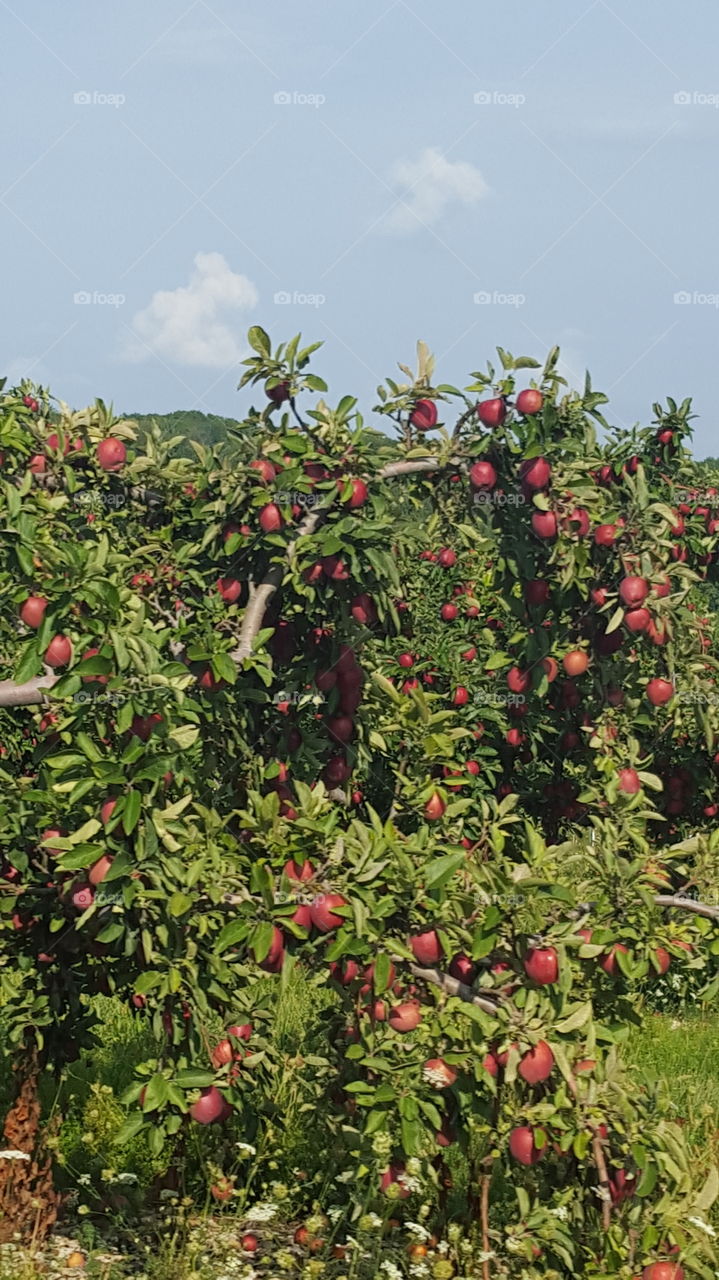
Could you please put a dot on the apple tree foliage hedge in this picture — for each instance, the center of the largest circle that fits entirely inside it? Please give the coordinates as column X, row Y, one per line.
column 423, row 704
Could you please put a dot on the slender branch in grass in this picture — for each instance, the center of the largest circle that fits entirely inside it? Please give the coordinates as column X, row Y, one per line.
column 484, row 1217
column 603, row 1175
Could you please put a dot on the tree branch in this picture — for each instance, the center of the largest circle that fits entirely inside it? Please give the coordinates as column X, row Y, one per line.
column 687, row 904
column 255, row 611
column 25, row 695
column 454, row 987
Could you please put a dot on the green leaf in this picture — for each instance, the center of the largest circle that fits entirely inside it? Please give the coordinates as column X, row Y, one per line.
column 442, row 869
column 130, row 817
column 130, row 1129
column 234, row 932
column 709, row 1191
column 648, row 1180
column 194, row 1078
column 179, row 904
column 155, row 1093
column 259, row 340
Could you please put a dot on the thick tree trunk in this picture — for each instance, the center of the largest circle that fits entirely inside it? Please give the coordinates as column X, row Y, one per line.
column 29, row 1203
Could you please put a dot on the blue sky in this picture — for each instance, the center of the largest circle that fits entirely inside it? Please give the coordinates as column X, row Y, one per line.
column 494, row 174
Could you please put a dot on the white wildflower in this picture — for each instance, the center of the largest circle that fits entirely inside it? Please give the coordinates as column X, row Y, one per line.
column 417, row 1230
column 410, row 1184
column 703, row 1226
column 560, row 1212
column 391, row 1270
column 84, row 1180
column 263, row 1212
column 245, row 1149
column 335, row 1212
column 443, row 1246
column 419, row 1270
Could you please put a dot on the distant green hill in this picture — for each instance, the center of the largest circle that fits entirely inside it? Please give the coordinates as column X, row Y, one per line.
column 207, row 428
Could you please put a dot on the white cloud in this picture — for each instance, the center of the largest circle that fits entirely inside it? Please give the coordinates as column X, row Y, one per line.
column 190, row 325
column 431, row 184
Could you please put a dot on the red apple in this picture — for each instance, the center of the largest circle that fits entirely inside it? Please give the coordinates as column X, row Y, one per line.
column 636, row 620
column 522, row 1145
column 359, row 495
column 633, row 591
column 230, row 589
column 482, row 475
column 605, row 535
column 424, row 415
column 302, row 873
column 405, row 1017
column 535, row 473
column 32, row 612
column 529, row 401
column 270, row 518
column 323, row 913
column 99, row 870
column 536, row 1065
column 111, row 454
column 541, row 964
column 447, row 558
column 609, row 962
column 448, row 612
column 663, row 1271
column 629, row 781
column 437, row 1073
column 659, row 691
column 576, row 662
column 492, row 412
column 363, row 610
column 426, row 947
column 663, row 959
column 434, row 808
column 518, row 681
column 278, row 393
column 210, row 1107
column 536, row 591
column 544, row 524
column 58, row 652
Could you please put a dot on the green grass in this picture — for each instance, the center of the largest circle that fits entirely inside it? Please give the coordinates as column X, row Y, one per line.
column 683, row 1051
